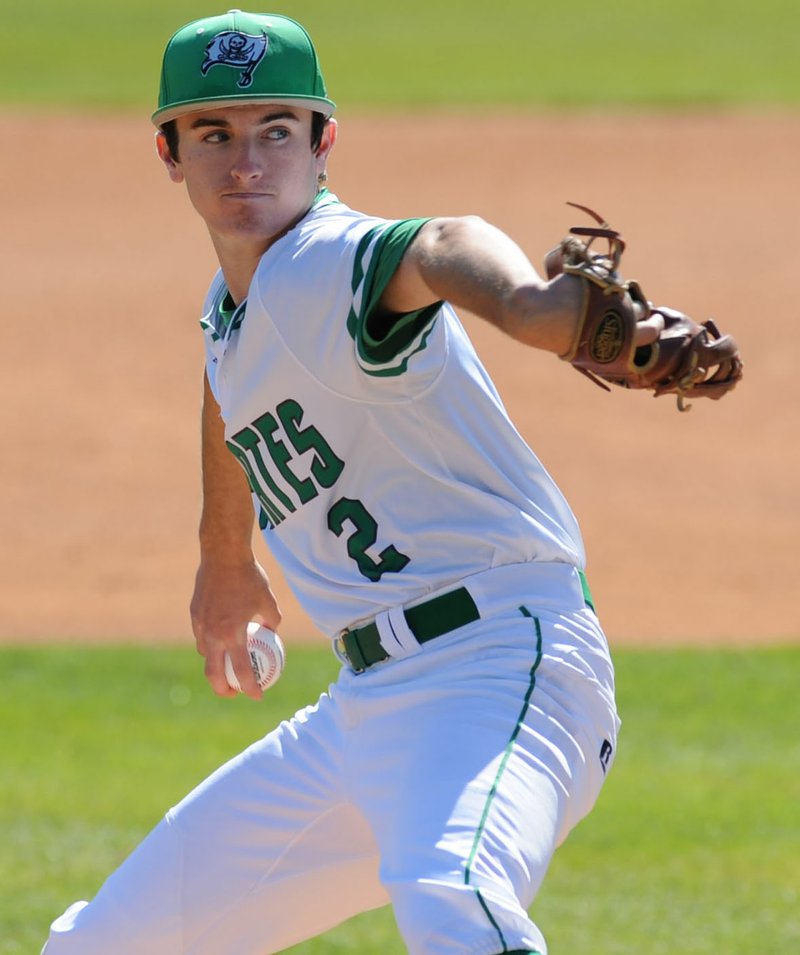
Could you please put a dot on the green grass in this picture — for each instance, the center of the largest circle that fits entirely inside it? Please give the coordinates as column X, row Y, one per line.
column 695, row 839
column 438, row 53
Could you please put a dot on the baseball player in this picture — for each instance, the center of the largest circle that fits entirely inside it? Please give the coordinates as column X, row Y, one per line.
column 473, row 721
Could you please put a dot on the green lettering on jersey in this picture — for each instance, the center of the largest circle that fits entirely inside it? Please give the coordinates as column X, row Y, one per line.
column 255, row 445
column 270, row 514
column 249, row 441
column 266, row 425
column 325, row 466
column 365, row 535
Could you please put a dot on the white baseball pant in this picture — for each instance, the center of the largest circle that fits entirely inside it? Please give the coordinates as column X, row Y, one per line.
column 441, row 782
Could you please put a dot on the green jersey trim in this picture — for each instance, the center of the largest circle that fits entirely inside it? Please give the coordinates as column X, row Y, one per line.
column 325, row 198
column 385, row 351
column 225, row 316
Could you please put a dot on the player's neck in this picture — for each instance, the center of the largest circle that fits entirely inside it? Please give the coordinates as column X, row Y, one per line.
column 239, row 256
column 238, row 267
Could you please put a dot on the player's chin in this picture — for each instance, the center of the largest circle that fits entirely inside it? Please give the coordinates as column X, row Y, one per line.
column 251, row 223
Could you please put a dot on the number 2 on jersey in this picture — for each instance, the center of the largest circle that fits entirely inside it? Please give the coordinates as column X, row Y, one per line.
column 365, row 536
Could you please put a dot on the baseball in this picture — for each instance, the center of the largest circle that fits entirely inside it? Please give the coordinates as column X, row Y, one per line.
column 267, row 657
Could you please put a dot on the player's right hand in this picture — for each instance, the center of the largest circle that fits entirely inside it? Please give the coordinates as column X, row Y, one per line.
column 226, row 598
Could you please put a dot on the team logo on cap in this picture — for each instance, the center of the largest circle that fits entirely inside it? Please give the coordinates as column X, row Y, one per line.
column 242, row 51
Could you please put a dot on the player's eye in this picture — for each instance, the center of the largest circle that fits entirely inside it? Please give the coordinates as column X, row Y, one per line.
column 277, row 132
column 216, row 136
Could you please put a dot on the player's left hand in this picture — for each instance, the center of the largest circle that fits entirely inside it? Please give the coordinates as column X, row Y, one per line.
column 622, row 339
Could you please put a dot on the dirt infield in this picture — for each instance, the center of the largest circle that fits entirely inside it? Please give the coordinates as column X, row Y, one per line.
column 691, row 521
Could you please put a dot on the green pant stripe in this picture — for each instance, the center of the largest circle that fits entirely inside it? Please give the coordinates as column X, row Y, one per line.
column 498, row 775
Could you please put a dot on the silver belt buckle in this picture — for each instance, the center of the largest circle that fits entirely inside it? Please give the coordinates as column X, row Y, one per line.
column 338, row 647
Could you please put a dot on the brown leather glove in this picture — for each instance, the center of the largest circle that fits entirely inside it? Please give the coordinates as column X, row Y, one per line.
column 688, row 359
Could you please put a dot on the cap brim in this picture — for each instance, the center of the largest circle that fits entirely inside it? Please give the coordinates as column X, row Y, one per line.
column 161, row 116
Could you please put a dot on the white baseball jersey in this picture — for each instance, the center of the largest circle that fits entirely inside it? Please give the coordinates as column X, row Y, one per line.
column 383, row 467
column 382, row 462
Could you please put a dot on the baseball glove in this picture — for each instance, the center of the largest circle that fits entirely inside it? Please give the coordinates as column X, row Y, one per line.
column 688, row 359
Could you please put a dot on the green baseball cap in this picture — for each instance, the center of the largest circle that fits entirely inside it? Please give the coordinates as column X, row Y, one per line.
column 237, row 59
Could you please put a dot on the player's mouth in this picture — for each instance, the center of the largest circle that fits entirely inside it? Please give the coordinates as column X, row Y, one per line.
column 244, row 195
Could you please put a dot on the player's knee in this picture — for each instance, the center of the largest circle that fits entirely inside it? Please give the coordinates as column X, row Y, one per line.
column 437, row 915
column 88, row 929
column 62, row 939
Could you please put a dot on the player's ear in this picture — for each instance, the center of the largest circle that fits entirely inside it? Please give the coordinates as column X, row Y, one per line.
column 326, row 143
column 165, row 155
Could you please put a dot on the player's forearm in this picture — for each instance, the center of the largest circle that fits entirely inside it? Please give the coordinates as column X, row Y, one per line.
column 226, row 522
column 474, row 265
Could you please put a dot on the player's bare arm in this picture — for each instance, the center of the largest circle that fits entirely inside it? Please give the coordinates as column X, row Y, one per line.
column 474, row 265
column 231, row 587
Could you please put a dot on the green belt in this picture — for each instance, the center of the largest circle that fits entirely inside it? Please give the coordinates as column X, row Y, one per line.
column 362, row 646
column 427, row 620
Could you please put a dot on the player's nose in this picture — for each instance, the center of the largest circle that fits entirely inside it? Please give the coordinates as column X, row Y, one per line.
column 246, row 165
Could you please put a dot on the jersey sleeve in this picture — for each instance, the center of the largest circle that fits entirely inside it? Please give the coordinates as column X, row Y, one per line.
column 385, row 348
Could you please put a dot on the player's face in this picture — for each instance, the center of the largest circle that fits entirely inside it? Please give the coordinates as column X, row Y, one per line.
column 250, row 171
